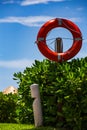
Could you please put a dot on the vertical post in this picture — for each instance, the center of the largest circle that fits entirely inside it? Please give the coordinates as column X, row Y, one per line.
column 38, row 119
column 59, row 45
column 59, row 49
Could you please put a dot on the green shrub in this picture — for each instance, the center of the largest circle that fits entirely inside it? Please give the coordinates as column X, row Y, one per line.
column 63, row 89
column 8, row 108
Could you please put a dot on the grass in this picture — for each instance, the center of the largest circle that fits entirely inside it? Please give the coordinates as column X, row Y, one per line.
column 10, row 126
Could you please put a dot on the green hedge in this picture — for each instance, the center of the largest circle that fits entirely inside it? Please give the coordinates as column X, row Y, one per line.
column 63, row 89
column 8, row 105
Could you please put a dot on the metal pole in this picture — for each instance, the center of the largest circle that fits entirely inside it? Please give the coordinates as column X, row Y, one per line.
column 38, row 118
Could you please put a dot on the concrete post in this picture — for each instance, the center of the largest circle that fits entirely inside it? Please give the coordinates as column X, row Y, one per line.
column 38, row 118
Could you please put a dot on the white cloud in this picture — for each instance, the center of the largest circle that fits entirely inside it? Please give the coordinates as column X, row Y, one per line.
column 32, row 21
column 8, row 2
column 79, row 8
column 31, row 2
column 76, row 19
column 23, row 63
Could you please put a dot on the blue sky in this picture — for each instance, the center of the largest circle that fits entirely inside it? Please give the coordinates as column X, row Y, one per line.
column 20, row 21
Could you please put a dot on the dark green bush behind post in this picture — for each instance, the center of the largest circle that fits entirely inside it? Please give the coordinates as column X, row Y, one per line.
column 8, row 108
column 68, row 84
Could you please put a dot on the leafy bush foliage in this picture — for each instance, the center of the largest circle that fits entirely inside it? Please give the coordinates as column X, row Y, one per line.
column 63, row 89
column 8, row 108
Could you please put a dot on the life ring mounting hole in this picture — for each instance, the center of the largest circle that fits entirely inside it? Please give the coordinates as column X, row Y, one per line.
column 60, row 32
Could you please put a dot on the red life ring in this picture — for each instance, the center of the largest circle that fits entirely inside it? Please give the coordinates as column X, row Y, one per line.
column 48, row 26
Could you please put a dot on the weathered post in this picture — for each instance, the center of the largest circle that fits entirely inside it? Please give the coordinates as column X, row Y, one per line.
column 38, row 118
column 59, row 45
column 59, row 49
